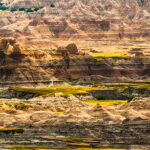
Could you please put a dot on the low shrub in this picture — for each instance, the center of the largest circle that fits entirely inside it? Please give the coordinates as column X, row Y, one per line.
column 101, row 97
column 22, row 106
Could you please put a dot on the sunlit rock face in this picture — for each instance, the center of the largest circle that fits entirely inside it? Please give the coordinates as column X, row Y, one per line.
column 20, row 64
column 16, row 64
column 76, row 20
column 56, row 110
column 10, row 48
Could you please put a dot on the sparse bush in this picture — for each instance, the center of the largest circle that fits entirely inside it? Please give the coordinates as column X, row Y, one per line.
column 65, row 96
column 11, row 111
column 13, row 9
column 22, row 106
column 9, row 104
column 101, row 97
column 36, row 9
column 22, row 9
column 73, row 79
column 30, row 10
column 1, row 4
column 3, row 8
column 130, row 99
column 52, row 5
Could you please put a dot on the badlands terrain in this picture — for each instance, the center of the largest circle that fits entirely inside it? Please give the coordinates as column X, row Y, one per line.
column 75, row 74
column 38, row 25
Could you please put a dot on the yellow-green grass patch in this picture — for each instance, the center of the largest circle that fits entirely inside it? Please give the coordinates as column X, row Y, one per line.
column 105, row 102
column 4, row 11
column 59, row 112
column 34, row 147
column 65, row 90
column 31, row 147
column 79, row 144
column 117, row 83
column 111, row 55
column 9, row 130
column 105, row 149
column 142, row 86
column 133, row 46
column 73, row 140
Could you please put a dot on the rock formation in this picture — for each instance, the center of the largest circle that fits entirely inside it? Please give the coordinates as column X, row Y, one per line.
column 46, row 117
column 71, row 110
column 76, row 20
column 20, row 64
column 16, row 63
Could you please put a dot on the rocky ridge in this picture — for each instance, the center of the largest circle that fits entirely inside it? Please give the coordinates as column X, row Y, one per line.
column 111, row 125
column 18, row 64
column 136, row 110
column 73, row 20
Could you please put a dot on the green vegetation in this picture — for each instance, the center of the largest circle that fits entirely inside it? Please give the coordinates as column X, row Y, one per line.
column 145, row 86
column 4, row 11
column 101, row 97
column 135, row 84
column 133, row 46
column 12, row 107
column 104, row 149
column 52, row 5
column 11, row 111
column 111, row 55
column 126, row 47
column 22, row 9
column 117, row 83
column 13, row 9
column 73, row 140
column 73, row 79
column 1, row 4
column 65, row 90
column 11, row 130
column 31, row 147
column 30, row 10
column 16, row 106
column 105, row 102
column 36, row 9
column 130, row 99
column 22, row 106
column 79, row 144
column 3, row 8
column 59, row 112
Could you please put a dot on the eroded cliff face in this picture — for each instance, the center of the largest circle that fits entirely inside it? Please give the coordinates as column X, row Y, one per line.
column 131, row 119
column 19, row 64
column 74, row 20
column 74, row 63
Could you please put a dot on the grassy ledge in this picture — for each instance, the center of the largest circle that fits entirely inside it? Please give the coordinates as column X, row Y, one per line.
column 65, row 90
column 142, row 86
column 32, row 147
column 105, row 102
column 73, row 140
column 111, row 55
column 11, row 130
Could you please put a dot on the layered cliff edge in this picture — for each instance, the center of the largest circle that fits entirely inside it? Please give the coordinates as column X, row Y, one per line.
column 76, row 21
column 112, row 125
column 20, row 65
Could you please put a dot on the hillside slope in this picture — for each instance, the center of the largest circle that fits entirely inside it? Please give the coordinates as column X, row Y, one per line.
column 76, row 19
